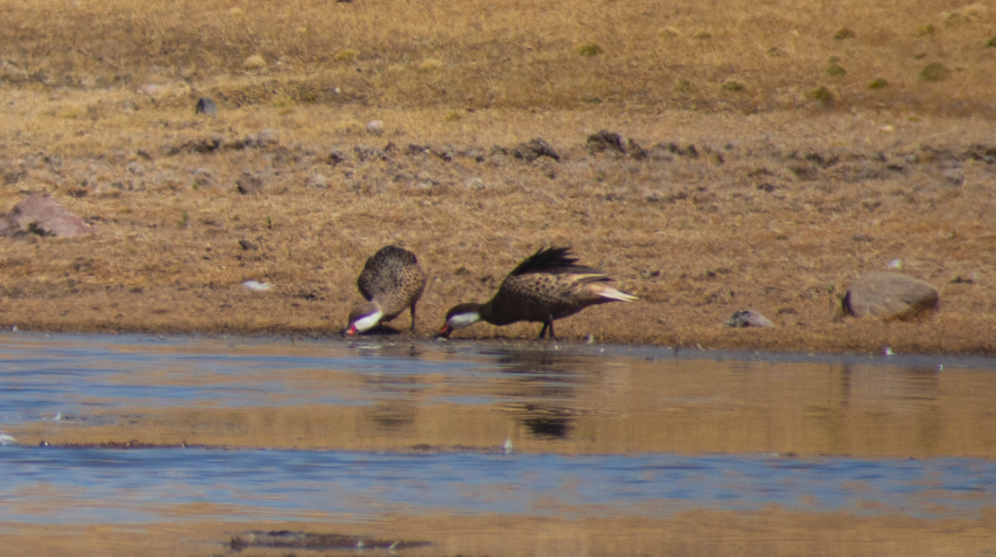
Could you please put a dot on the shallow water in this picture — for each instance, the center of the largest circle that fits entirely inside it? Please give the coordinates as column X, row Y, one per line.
column 128, row 486
column 273, row 429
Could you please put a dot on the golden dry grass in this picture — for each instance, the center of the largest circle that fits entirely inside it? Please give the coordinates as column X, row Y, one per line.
column 803, row 178
column 731, row 54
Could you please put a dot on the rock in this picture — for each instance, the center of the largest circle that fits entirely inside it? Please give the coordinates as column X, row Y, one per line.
column 635, row 151
column 248, row 184
column 535, row 149
column 206, row 106
column 266, row 138
column 40, row 214
column 375, row 127
column 748, row 318
column 335, row 157
column 257, row 286
column 954, row 177
column 254, row 62
column 202, row 177
column 606, row 141
column 889, row 296
column 148, row 89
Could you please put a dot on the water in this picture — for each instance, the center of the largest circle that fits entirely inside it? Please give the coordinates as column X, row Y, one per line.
column 277, row 430
column 129, row 486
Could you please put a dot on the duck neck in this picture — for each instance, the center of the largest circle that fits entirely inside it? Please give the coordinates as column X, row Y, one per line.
column 485, row 310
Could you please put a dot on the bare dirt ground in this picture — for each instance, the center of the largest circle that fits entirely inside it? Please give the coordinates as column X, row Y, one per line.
column 699, row 215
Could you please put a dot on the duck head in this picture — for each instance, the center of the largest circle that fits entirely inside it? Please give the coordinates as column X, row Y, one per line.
column 459, row 317
column 362, row 318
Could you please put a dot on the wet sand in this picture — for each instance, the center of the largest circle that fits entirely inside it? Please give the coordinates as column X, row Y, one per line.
column 700, row 533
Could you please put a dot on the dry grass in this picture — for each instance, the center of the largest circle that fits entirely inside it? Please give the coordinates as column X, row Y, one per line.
column 642, row 55
column 791, row 194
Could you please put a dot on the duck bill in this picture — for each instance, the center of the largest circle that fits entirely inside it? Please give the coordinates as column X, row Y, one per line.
column 445, row 332
column 350, row 330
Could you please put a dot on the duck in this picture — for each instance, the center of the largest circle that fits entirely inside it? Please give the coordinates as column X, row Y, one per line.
column 547, row 286
column 391, row 282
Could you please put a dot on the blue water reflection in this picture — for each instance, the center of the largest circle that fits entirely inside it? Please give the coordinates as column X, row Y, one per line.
column 108, row 486
column 67, row 378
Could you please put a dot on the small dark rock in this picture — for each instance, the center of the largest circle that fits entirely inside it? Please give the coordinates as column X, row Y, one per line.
column 606, row 141
column 805, row 173
column 635, row 151
column 206, row 106
column 364, row 153
column 335, row 158
column 203, row 146
column 954, row 177
column 247, row 245
column 446, row 156
column 248, row 184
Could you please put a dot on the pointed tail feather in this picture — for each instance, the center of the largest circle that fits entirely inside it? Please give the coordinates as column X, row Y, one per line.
column 610, row 293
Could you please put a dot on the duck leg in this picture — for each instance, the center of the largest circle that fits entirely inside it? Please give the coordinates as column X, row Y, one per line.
column 548, row 325
column 413, row 318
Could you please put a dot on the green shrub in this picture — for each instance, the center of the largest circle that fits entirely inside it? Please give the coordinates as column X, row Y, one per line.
column 843, row 33
column 733, row 87
column 589, row 49
column 935, row 72
column 822, row 94
column 836, row 70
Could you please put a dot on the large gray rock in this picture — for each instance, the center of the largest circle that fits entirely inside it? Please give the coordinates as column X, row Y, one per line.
column 889, row 296
column 40, row 214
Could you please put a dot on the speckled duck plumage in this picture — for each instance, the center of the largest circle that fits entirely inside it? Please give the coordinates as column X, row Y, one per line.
column 545, row 287
column 391, row 281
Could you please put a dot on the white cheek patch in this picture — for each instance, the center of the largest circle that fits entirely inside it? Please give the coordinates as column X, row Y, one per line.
column 368, row 322
column 461, row 320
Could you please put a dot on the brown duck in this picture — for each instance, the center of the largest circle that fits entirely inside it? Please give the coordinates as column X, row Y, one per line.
column 391, row 282
column 545, row 287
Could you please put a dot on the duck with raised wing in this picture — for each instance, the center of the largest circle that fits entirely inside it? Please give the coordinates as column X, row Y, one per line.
column 391, row 281
column 547, row 286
